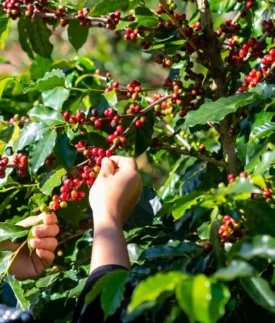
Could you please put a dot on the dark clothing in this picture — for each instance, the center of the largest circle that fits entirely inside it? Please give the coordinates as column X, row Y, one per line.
column 92, row 313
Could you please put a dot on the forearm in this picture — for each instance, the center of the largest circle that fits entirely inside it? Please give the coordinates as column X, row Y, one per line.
column 109, row 245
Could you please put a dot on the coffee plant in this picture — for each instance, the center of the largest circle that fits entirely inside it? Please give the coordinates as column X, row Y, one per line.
column 202, row 238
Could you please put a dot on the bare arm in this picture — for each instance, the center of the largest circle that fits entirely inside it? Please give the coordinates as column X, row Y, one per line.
column 113, row 197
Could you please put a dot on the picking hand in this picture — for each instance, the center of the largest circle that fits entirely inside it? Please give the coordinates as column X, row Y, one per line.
column 27, row 266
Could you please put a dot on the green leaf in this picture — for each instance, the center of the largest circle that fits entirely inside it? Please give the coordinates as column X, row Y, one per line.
column 18, row 292
column 3, row 84
column 41, row 150
column 104, row 7
column 47, row 281
column 5, row 137
column 147, row 207
column 146, row 17
column 202, row 299
column 50, row 80
column 262, row 246
column 258, row 219
column 260, row 292
column 184, row 249
column 31, row 132
column 64, row 151
column 216, row 111
column 77, row 34
column 111, row 98
column 7, row 200
column 40, row 66
column 192, row 177
column 34, row 37
column 236, row 269
column 152, row 287
column 244, row 185
column 46, row 115
column 263, row 130
column 267, row 160
column 54, row 98
column 52, row 180
column 5, row 258
column 12, row 232
column 113, row 292
column 76, row 291
column 4, row 30
column 185, row 203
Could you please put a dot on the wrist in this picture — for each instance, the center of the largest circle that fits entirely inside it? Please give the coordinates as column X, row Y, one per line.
column 104, row 220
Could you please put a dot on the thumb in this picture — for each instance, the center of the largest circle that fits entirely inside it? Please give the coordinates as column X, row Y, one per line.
column 107, row 167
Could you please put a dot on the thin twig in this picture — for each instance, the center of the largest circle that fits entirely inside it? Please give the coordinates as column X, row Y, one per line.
column 141, row 113
column 194, row 154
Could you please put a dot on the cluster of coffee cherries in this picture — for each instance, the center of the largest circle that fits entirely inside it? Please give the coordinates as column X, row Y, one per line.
column 230, row 229
column 134, row 89
column 69, row 191
column 268, row 25
column 12, row 8
column 229, row 29
column 19, row 121
column 21, row 163
column 3, row 165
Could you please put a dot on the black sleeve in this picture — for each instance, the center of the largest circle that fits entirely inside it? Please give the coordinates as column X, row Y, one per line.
column 94, row 312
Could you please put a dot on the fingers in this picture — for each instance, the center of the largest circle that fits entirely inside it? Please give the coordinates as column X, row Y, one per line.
column 47, row 218
column 107, row 167
column 45, row 243
column 124, row 162
column 45, row 231
column 46, row 256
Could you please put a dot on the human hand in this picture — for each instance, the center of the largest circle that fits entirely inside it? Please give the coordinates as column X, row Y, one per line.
column 116, row 190
column 27, row 266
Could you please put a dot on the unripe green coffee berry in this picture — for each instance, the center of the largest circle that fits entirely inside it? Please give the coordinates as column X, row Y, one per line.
column 63, row 204
column 43, row 208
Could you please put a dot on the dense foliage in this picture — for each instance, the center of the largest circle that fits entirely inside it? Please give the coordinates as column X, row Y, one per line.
column 202, row 245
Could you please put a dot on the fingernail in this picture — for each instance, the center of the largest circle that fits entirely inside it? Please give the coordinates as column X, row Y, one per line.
column 105, row 161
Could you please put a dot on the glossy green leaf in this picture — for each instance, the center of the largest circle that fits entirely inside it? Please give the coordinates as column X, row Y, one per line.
column 192, row 177
column 243, row 185
column 50, row 80
column 216, row 111
column 41, row 150
column 184, row 249
column 113, row 292
column 185, row 203
column 5, row 258
column 147, row 207
column 76, row 291
column 12, row 232
column 54, row 98
column 104, row 7
column 40, row 66
column 262, row 246
column 3, row 84
column 111, row 98
column 34, row 37
column 152, row 287
column 236, row 269
column 77, row 34
column 4, row 30
column 202, row 299
column 260, row 291
column 52, row 180
column 18, row 292
column 46, row 115
column 146, row 17
column 29, row 134
column 5, row 136
column 47, row 281
column 268, row 158
column 64, row 151
column 263, row 130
